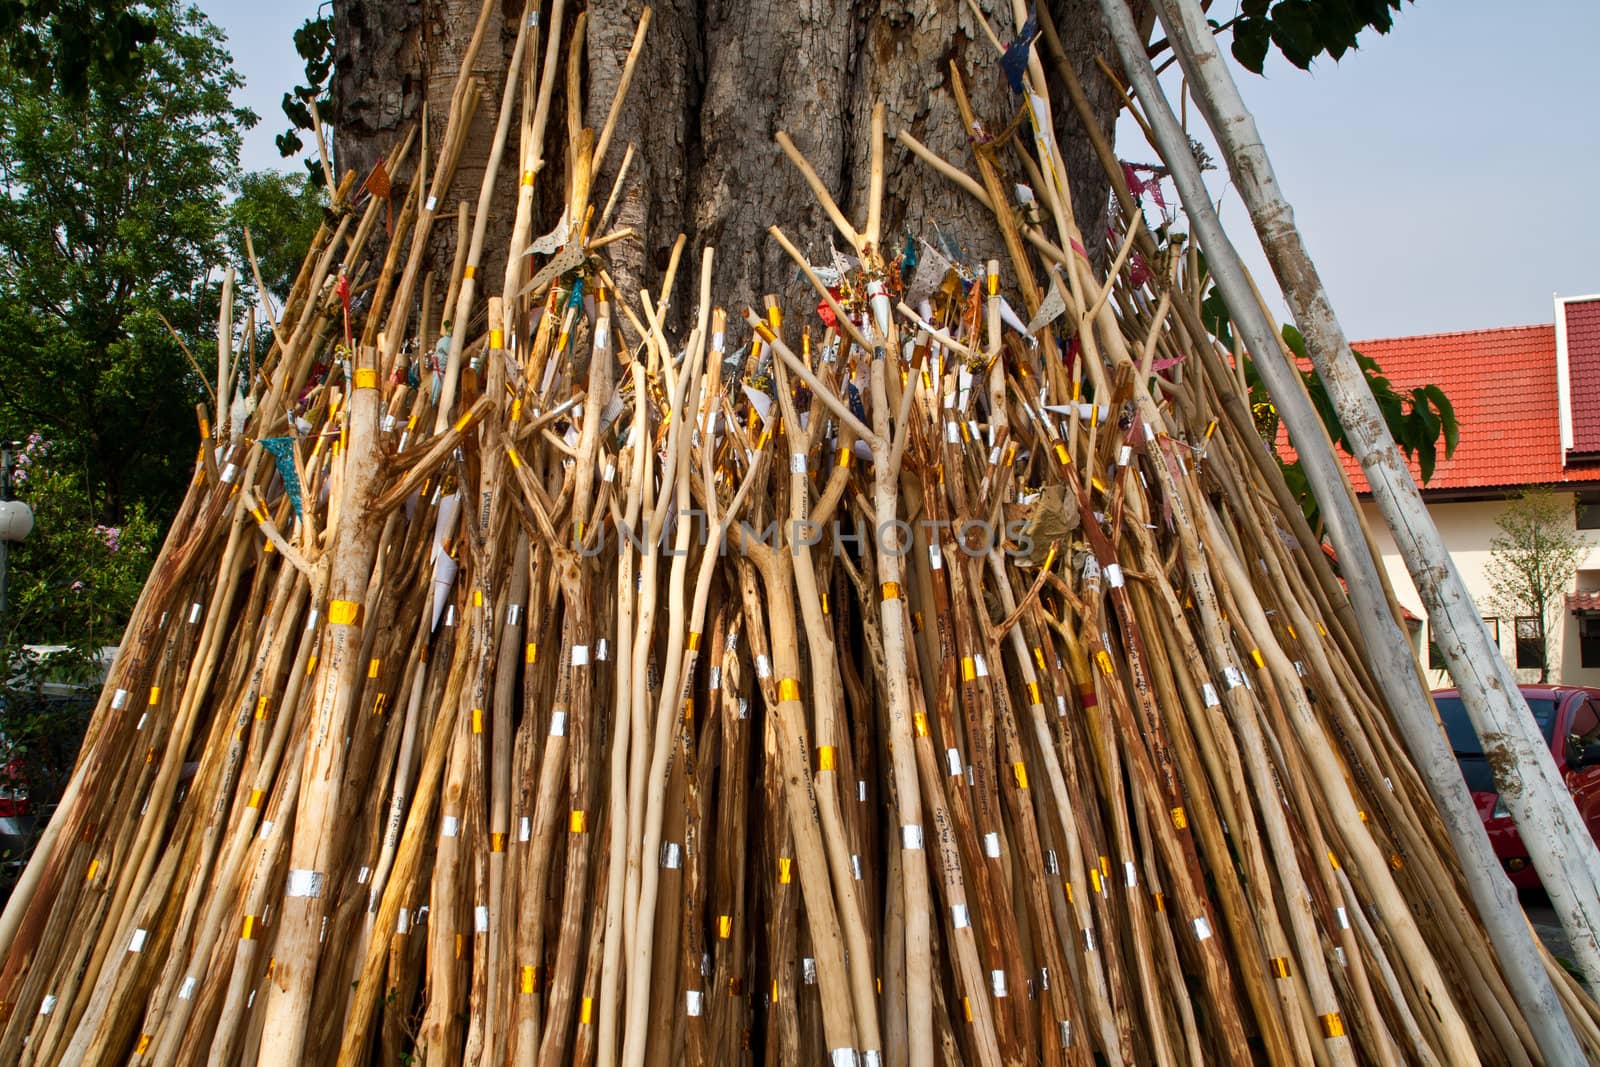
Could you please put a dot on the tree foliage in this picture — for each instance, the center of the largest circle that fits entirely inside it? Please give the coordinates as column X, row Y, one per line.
column 113, row 210
column 314, row 43
column 74, row 580
column 66, row 46
column 1533, row 558
column 1304, row 29
column 282, row 212
column 1421, row 419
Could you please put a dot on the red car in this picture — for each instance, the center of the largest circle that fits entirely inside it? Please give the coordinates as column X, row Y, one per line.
column 1569, row 718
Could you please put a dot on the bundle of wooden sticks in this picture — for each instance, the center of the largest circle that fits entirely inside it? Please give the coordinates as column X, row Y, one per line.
column 900, row 684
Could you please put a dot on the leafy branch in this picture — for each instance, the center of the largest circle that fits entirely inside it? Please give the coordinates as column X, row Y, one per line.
column 1305, row 29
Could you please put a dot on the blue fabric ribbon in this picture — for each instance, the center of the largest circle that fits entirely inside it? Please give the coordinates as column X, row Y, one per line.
column 282, row 449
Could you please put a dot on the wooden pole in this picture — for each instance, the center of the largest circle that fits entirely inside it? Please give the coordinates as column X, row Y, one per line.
column 1560, row 845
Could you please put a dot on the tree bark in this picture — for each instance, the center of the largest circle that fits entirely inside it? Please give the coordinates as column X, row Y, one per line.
column 716, row 80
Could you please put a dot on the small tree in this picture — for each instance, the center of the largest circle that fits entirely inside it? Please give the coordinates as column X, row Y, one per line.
column 1532, row 560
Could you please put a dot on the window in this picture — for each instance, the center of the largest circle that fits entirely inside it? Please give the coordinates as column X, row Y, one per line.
column 1584, row 730
column 1588, row 511
column 1436, row 661
column 1530, row 642
column 1589, row 640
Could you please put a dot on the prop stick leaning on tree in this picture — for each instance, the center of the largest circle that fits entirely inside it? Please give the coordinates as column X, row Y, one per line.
column 1465, row 642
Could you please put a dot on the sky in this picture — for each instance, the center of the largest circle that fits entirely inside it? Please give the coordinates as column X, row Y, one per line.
column 1442, row 174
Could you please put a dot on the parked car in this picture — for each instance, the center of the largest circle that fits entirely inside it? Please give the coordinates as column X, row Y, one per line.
column 1569, row 719
column 44, row 708
column 16, row 814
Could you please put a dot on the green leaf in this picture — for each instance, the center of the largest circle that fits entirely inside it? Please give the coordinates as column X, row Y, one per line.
column 1214, row 314
column 1425, row 458
column 1294, row 31
column 1447, row 418
column 1296, row 343
column 1252, row 38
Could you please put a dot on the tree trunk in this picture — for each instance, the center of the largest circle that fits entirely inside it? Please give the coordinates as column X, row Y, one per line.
column 716, row 80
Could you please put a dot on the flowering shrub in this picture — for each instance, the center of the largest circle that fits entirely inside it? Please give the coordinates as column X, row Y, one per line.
column 74, row 581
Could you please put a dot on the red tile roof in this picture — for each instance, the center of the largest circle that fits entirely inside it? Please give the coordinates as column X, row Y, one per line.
column 1502, row 385
column 1577, row 602
column 1583, row 371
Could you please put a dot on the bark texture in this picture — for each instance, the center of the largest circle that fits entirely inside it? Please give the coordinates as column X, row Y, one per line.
column 717, row 79
column 393, row 56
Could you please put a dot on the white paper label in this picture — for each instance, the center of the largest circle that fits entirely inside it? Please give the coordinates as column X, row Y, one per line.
column 1209, row 691
column 763, row 668
column 1202, row 929
column 580, row 655
column 960, row 916
column 49, row 1003
column 991, row 845
column 694, row 1002
column 1114, row 575
column 480, row 919
column 935, row 556
column 524, row 828
column 451, row 827
column 194, row 613
column 1130, row 873
column 997, row 981
column 137, row 942
column 911, row 837
column 953, row 759
column 303, row 882
column 119, row 699
column 558, row 724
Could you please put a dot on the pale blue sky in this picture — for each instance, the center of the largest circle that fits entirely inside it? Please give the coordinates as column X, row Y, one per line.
column 1443, row 175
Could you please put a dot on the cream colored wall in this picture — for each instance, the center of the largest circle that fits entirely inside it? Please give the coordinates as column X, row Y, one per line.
column 1467, row 529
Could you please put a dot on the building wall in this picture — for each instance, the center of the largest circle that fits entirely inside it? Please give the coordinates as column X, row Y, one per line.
column 1467, row 529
